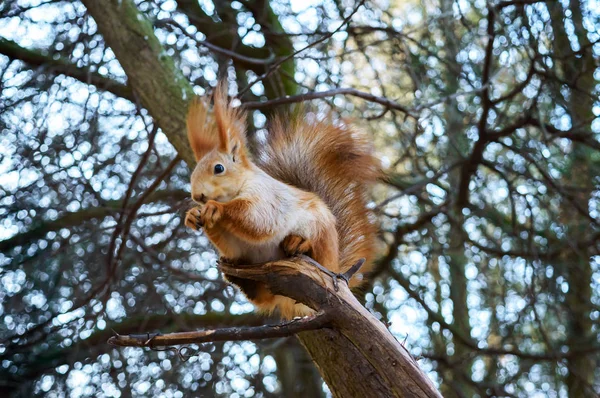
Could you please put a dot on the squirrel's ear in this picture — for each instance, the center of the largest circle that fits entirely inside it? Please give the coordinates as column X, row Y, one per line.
column 201, row 128
column 231, row 122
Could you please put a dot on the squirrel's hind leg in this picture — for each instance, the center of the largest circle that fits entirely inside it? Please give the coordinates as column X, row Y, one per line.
column 293, row 245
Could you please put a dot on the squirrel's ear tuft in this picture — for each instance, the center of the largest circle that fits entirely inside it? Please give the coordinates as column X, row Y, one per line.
column 224, row 128
column 230, row 121
column 201, row 128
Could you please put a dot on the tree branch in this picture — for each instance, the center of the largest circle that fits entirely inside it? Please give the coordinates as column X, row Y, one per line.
column 70, row 219
column 57, row 355
column 273, row 68
column 219, row 50
column 317, row 321
column 344, row 339
column 325, row 94
column 222, row 36
column 60, row 66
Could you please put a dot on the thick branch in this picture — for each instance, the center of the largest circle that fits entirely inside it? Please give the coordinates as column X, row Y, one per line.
column 217, row 34
column 223, row 36
column 356, row 345
column 219, row 50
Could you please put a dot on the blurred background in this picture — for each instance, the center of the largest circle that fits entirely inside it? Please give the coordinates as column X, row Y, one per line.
column 485, row 115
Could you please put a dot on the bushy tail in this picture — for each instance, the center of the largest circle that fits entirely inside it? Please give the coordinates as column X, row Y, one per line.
column 336, row 162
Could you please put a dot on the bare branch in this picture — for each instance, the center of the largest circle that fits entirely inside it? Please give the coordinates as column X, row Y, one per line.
column 342, row 328
column 74, row 218
column 217, row 49
column 317, row 321
column 390, row 104
column 280, row 62
column 60, row 66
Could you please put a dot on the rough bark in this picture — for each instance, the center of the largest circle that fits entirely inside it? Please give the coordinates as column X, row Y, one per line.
column 354, row 352
column 357, row 356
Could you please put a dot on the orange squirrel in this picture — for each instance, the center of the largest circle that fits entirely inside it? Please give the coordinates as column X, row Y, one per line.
column 304, row 192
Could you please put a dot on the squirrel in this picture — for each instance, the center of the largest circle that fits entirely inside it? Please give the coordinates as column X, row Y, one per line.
column 304, row 192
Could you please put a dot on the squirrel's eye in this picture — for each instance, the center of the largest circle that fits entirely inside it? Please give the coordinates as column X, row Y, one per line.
column 219, row 168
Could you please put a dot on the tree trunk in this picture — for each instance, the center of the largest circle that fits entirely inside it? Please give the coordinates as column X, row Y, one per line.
column 156, row 81
column 573, row 263
column 458, row 149
column 296, row 372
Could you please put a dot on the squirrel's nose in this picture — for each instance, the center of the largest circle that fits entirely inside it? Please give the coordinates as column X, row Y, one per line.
column 199, row 198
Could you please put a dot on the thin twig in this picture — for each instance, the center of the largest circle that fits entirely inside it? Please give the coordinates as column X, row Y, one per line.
column 329, row 93
column 275, row 66
column 318, row 321
column 217, row 49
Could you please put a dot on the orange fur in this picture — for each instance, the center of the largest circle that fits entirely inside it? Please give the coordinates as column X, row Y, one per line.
column 337, row 163
column 306, row 195
column 201, row 129
column 231, row 122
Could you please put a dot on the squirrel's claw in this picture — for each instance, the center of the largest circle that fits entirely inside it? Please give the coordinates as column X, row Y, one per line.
column 192, row 219
column 205, row 216
column 211, row 213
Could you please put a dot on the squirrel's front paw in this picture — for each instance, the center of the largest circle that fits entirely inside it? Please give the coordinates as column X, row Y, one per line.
column 211, row 213
column 293, row 245
column 192, row 218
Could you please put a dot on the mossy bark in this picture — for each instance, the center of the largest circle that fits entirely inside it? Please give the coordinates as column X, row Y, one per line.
column 156, row 81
